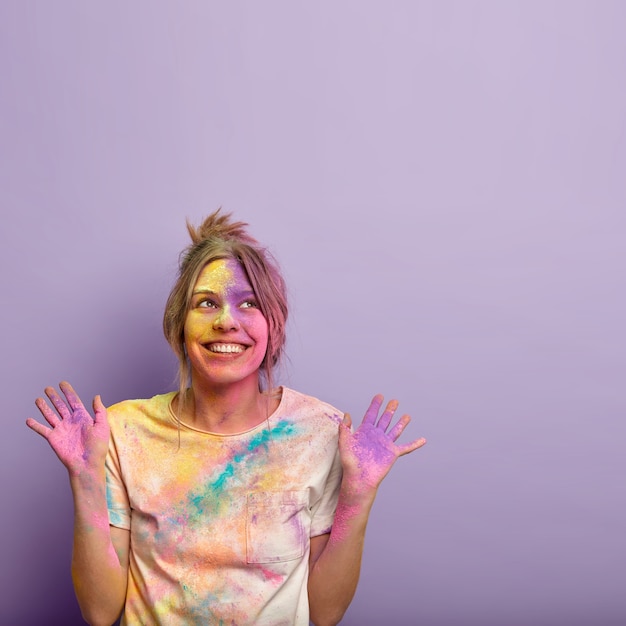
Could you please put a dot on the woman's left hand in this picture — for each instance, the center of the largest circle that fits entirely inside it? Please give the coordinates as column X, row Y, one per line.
column 368, row 454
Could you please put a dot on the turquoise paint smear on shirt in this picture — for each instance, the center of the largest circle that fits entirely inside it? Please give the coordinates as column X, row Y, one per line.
column 281, row 431
column 213, row 492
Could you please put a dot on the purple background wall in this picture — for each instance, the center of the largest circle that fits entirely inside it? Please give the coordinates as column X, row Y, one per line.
column 443, row 183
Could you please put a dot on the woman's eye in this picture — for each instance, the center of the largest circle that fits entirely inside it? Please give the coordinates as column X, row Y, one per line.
column 250, row 304
column 206, row 304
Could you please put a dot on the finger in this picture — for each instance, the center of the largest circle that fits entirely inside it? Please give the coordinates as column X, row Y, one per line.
column 410, row 447
column 51, row 417
column 398, row 429
column 385, row 418
column 58, row 403
column 99, row 410
column 72, row 397
column 372, row 412
column 40, row 429
column 347, row 421
column 345, row 432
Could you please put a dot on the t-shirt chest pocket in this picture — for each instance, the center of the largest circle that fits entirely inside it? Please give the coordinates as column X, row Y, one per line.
column 276, row 528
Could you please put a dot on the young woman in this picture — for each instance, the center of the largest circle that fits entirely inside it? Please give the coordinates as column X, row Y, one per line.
column 227, row 502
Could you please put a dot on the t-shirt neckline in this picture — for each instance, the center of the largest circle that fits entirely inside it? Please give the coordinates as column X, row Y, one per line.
column 260, row 425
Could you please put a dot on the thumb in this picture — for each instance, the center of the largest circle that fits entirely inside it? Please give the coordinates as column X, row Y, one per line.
column 345, row 427
column 99, row 410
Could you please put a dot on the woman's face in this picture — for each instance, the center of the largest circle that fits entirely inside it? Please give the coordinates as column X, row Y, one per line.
column 226, row 334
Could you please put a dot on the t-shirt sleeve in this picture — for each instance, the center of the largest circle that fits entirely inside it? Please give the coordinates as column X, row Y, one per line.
column 118, row 503
column 323, row 511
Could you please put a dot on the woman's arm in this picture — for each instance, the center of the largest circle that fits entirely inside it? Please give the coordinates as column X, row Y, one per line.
column 100, row 553
column 335, row 561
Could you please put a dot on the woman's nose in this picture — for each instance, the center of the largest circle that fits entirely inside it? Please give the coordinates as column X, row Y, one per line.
column 225, row 320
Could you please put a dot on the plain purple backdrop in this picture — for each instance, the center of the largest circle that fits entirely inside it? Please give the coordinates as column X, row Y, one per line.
column 444, row 186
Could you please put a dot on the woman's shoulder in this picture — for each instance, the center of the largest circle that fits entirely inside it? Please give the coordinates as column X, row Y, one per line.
column 156, row 405
column 296, row 403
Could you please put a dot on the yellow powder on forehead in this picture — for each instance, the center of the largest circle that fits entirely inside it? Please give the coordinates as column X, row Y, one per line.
column 218, row 274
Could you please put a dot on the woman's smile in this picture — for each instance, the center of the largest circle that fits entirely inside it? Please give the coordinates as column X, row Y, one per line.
column 226, row 348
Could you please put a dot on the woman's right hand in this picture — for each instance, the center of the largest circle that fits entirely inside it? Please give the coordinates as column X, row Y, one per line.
column 80, row 442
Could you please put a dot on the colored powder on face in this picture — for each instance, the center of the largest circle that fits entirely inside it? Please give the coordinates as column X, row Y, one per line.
column 220, row 273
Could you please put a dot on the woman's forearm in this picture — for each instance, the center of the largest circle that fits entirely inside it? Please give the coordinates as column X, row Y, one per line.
column 99, row 574
column 334, row 576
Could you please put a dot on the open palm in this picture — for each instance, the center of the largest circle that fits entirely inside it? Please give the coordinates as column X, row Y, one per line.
column 369, row 453
column 80, row 441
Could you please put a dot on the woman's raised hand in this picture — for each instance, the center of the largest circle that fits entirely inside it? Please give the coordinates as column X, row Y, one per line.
column 80, row 441
column 368, row 454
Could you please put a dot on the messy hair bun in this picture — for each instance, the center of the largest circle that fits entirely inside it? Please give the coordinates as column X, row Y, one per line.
column 219, row 226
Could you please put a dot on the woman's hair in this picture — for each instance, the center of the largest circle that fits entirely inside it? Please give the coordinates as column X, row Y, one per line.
column 218, row 237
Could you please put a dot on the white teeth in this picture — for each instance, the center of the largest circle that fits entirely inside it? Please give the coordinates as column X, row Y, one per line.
column 226, row 347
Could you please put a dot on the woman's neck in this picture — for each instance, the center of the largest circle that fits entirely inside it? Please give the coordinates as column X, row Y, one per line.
column 227, row 409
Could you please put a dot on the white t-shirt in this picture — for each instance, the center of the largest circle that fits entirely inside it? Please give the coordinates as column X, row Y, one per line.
column 220, row 524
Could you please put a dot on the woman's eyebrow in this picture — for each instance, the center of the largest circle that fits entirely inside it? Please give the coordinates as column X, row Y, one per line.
column 246, row 293
column 197, row 291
